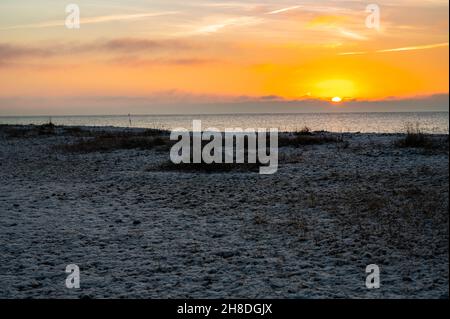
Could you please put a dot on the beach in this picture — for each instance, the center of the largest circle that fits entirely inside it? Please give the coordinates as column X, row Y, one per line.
column 137, row 229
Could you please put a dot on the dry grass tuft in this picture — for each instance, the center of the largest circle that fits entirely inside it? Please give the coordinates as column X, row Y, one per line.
column 12, row 131
column 111, row 143
column 308, row 139
column 416, row 138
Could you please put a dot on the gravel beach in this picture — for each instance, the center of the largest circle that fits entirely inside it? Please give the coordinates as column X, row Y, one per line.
column 138, row 230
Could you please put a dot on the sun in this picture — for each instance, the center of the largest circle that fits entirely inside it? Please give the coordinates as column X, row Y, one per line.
column 336, row 99
column 335, row 90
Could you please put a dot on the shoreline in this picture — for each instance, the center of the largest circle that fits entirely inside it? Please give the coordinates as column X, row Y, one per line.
column 111, row 128
column 378, row 122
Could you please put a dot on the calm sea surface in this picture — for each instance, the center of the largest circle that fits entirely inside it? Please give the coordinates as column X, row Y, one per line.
column 430, row 122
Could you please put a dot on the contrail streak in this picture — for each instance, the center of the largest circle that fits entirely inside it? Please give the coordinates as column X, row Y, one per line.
column 411, row 48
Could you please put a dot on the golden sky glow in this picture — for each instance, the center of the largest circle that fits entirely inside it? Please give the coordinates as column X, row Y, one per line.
column 223, row 50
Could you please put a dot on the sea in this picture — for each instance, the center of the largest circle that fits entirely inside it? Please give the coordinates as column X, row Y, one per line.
column 377, row 122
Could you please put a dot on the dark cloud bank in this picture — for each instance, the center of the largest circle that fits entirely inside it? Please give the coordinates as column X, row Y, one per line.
column 188, row 104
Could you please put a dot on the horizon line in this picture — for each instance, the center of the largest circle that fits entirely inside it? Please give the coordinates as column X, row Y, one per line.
column 217, row 114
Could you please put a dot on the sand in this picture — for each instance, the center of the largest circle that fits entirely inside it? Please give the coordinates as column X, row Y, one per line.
column 308, row 231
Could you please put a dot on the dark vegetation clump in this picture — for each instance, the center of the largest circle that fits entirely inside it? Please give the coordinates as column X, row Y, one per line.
column 416, row 138
column 308, row 138
column 13, row 131
column 110, row 143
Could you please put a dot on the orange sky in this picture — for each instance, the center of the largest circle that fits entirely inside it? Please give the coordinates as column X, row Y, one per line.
column 223, row 50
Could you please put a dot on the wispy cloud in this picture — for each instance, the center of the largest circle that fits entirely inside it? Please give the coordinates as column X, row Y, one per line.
column 311, row 8
column 410, row 48
column 224, row 5
column 353, row 53
column 131, row 61
column 10, row 53
column 17, row 56
column 417, row 47
column 352, row 35
column 216, row 27
column 137, row 45
column 212, row 28
column 284, row 10
column 91, row 20
column 334, row 23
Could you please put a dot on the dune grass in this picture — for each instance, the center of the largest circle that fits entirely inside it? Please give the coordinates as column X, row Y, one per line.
column 13, row 131
column 113, row 142
column 308, row 138
column 416, row 138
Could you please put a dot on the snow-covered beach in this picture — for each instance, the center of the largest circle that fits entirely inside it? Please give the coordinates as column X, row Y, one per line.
column 138, row 230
